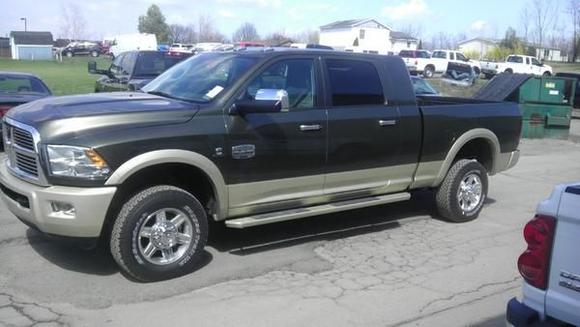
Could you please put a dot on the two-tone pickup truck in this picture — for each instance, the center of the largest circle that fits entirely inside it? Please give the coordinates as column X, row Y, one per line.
column 249, row 138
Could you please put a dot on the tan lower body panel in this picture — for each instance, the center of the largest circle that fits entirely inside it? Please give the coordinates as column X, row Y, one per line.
column 274, row 217
column 276, row 195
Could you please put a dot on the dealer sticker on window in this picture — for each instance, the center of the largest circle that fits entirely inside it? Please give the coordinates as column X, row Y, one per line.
column 214, row 92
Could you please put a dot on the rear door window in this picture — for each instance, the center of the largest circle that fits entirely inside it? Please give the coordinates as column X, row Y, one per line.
column 354, row 82
column 439, row 54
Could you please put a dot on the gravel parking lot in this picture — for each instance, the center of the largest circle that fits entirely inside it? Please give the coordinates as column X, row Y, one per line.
column 388, row 265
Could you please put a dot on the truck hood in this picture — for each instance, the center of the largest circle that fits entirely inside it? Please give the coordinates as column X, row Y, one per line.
column 70, row 116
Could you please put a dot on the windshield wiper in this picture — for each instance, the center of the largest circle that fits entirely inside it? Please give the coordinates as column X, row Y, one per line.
column 167, row 95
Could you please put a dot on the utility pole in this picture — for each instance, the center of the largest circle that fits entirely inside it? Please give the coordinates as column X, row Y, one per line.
column 25, row 24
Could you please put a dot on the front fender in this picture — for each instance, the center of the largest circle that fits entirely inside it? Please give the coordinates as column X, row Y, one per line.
column 194, row 159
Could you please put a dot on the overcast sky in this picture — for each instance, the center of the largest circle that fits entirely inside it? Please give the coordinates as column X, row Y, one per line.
column 110, row 17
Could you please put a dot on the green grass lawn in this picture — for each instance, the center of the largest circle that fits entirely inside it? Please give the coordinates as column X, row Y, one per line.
column 63, row 78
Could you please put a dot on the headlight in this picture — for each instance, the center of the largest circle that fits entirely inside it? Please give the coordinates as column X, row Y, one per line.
column 74, row 161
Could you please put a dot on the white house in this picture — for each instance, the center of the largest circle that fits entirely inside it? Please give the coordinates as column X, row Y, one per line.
column 31, row 45
column 478, row 44
column 365, row 35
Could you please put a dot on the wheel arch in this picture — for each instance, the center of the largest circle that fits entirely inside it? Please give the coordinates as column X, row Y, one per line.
column 193, row 160
column 463, row 147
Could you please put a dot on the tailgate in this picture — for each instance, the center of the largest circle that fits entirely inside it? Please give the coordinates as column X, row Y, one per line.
column 563, row 296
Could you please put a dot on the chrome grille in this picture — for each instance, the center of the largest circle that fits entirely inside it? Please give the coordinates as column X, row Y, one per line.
column 20, row 142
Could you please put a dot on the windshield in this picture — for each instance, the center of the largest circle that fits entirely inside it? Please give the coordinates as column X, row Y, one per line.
column 155, row 63
column 421, row 87
column 439, row 54
column 201, row 78
column 21, row 84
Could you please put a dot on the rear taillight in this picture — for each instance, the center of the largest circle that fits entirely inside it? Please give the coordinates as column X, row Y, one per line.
column 534, row 263
column 4, row 109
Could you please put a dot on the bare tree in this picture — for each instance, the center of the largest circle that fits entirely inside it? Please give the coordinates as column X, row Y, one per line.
column 206, row 30
column 73, row 22
column 246, row 32
column 525, row 20
column 182, row 33
column 277, row 39
column 574, row 11
column 309, row 36
column 544, row 15
column 412, row 30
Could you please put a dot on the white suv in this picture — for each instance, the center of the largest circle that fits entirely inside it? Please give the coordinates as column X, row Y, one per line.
column 550, row 265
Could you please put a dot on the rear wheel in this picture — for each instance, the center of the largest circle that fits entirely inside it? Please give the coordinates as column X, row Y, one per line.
column 546, row 74
column 69, row 54
column 159, row 234
column 509, row 71
column 461, row 196
column 94, row 53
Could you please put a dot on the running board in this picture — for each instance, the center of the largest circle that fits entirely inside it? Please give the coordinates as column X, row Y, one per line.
column 275, row 217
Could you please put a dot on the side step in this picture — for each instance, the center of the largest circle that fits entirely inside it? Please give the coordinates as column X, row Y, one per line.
column 275, row 217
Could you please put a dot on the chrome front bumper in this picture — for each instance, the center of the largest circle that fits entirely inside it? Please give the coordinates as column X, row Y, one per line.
column 39, row 206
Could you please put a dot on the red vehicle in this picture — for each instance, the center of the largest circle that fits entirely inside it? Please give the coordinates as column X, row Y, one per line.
column 249, row 44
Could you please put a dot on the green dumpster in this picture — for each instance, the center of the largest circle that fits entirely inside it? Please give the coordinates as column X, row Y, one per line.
column 546, row 104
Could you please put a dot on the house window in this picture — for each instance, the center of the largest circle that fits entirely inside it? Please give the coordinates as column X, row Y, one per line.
column 361, row 34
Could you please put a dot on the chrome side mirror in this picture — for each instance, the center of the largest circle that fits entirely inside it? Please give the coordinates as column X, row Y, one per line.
column 274, row 95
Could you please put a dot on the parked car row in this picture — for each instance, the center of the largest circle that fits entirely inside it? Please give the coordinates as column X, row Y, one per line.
column 428, row 64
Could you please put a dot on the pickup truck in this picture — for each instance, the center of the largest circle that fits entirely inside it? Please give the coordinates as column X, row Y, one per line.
column 416, row 60
column 550, row 265
column 132, row 70
column 517, row 64
column 247, row 138
column 440, row 59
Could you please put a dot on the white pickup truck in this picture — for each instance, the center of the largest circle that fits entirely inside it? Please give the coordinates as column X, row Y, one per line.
column 441, row 58
column 517, row 64
column 550, row 265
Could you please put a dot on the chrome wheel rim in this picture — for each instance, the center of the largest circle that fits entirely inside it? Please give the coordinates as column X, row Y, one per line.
column 470, row 192
column 165, row 236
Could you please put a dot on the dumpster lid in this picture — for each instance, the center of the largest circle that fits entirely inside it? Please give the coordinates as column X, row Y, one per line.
column 501, row 87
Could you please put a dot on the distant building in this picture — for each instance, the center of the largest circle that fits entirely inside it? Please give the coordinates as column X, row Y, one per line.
column 480, row 45
column 5, row 47
column 31, row 45
column 365, row 35
column 483, row 45
column 550, row 54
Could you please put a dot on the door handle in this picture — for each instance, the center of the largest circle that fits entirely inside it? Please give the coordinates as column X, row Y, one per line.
column 310, row 128
column 386, row 122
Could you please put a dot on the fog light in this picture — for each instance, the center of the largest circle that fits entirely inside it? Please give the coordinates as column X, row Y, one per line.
column 63, row 208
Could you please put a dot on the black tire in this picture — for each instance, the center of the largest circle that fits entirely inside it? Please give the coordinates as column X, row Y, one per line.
column 447, row 197
column 127, row 241
column 509, row 71
column 488, row 76
column 429, row 71
column 546, row 74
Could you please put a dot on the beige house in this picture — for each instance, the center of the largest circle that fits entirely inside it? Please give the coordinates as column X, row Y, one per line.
column 478, row 44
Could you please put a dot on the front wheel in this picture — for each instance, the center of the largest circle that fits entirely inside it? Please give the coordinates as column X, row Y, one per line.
column 160, row 233
column 461, row 196
column 428, row 72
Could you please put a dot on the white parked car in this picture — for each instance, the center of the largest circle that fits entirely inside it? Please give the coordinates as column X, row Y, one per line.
column 440, row 59
column 550, row 265
column 181, row 48
column 518, row 64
